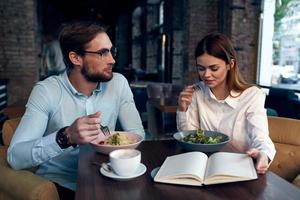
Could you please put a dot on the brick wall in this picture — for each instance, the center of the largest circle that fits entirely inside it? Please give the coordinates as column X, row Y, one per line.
column 244, row 34
column 18, row 47
column 190, row 20
column 201, row 19
column 242, row 17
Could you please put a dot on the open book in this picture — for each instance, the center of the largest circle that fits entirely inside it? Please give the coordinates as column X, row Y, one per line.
column 195, row 168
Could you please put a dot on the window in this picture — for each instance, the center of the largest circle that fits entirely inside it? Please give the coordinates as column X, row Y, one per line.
column 279, row 54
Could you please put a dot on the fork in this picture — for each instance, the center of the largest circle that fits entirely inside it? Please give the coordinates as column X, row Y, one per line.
column 105, row 130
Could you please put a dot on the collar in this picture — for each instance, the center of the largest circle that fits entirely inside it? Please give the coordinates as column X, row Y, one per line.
column 231, row 101
column 69, row 85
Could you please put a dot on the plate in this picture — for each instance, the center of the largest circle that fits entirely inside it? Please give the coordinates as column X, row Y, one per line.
column 107, row 148
column 140, row 171
column 198, row 146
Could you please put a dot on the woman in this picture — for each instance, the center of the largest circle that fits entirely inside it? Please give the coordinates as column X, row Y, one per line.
column 224, row 102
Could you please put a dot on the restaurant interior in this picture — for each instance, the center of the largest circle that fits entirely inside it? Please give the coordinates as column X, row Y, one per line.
column 156, row 41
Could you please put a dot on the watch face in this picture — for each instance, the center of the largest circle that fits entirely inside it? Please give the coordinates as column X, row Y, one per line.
column 62, row 139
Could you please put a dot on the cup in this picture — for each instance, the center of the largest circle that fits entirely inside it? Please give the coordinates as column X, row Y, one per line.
column 125, row 162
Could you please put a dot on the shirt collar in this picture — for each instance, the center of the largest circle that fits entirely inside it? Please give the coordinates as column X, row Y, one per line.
column 73, row 90
column 231, row 101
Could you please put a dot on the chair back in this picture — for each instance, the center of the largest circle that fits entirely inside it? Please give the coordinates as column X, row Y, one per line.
column 8, row 130
column 284, row 130
column 167, row 90
column 285, row 133
column 154, row 90
column 281, row 100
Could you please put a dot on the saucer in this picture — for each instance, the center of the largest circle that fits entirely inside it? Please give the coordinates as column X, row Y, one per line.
column 154, row 172
column 140, row 171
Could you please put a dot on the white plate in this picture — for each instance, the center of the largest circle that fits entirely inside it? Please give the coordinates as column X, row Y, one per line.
column 140, row 171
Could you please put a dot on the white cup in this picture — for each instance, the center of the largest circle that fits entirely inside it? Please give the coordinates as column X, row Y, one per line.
column 125, row 162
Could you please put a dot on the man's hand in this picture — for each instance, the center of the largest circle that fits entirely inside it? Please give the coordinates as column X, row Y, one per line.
column 84, row 129
column 262, row 160
column 185, row 98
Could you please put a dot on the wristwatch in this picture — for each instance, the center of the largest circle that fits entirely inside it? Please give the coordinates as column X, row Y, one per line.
column 62, row 139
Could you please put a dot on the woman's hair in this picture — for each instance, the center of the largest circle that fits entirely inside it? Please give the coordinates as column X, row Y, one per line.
column 220, row 46
column 76, row 35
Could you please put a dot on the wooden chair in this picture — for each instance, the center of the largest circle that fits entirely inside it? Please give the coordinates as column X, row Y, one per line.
column 285, row 133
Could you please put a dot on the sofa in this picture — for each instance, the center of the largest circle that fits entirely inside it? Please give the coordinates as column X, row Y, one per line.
column 285, row 133
column 21, row 184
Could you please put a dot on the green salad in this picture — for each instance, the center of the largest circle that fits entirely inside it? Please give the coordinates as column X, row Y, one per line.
column 199, row 137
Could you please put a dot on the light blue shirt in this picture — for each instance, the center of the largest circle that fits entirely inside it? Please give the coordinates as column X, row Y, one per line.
column 53, row 104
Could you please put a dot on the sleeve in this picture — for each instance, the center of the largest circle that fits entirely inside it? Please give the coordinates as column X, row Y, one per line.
column 29, row 147
column 189, row 120
column 128, row 115
column 258, row 126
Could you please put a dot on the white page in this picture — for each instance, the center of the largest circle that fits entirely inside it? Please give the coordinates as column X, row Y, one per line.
column 186, row 163
column 231, row 165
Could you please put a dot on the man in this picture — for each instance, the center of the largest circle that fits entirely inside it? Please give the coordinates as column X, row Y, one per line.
column 66, row 110
column 53, row 63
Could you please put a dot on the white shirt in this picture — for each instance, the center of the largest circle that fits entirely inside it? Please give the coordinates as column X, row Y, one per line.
column 242, row 118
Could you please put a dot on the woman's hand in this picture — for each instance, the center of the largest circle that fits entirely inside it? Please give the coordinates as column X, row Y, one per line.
column 262, row 160
column 84, row 129
column 185, row 98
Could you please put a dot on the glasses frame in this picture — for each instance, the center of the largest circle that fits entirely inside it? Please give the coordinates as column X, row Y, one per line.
column 105, row 52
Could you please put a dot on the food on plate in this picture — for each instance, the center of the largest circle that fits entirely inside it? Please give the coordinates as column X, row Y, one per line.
column 118, row 139
column 199, row 137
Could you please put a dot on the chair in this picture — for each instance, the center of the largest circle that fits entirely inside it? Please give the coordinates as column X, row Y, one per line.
column 160, row 124
column 21, row 184
column 14, row 111
column 283, row 101
column 285, row 134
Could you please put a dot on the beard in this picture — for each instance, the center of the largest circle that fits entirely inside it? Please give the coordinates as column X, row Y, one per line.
column 99, row 77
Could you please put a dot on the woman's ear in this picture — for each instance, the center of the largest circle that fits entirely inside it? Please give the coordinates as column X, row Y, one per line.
column 75, row 58
column 232, row 61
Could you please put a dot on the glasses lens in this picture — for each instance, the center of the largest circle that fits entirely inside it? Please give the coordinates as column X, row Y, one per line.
column 114, row 51
column 104, row 52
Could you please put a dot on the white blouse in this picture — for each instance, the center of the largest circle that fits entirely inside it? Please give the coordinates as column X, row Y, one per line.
column 242, row 118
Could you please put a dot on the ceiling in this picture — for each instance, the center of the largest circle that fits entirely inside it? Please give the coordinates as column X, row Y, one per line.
column 55, row 12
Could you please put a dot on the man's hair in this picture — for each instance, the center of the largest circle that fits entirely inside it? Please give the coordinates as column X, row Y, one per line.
column 76, row 35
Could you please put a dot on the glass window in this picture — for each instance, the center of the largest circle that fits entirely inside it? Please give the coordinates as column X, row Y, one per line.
column 279, row 54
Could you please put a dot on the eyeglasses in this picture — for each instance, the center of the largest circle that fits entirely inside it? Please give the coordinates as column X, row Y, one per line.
column 105, row 52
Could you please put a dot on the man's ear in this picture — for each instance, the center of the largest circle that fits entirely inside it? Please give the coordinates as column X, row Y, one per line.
column 75, row 58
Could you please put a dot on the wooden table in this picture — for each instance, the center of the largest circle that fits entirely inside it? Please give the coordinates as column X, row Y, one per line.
column 92, row 185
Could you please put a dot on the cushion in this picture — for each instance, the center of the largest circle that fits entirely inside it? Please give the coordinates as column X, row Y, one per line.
column 284, row 130
column 23, row 184
column 286, row 163
column 8, row 130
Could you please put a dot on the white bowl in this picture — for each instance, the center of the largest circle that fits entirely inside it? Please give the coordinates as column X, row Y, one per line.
column 107, row 148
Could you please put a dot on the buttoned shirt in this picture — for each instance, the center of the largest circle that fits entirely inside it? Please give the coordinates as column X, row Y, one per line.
column 242, row 117
column 53, row 104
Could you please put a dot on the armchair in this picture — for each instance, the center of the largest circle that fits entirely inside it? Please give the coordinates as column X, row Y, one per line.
column 285, row 134
column 21, row 184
